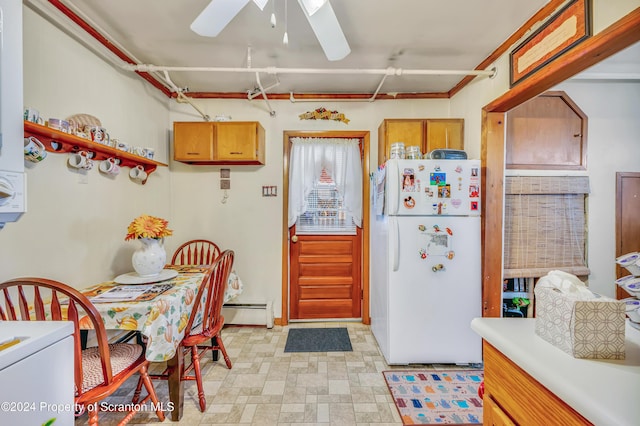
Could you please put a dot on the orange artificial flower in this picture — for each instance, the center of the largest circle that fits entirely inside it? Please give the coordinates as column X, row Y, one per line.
column 146, row 226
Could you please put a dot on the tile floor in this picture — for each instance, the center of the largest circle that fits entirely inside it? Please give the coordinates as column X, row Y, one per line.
column 267, row 386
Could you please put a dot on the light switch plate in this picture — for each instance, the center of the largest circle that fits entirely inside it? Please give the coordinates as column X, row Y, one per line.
column 225, row 173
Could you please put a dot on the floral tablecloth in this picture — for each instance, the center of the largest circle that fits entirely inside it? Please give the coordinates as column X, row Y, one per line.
column 163, row 318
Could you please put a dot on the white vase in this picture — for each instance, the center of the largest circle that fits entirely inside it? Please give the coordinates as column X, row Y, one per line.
column 150, row 258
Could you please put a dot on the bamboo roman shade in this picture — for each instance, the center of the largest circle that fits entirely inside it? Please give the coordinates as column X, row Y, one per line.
column 545, row 225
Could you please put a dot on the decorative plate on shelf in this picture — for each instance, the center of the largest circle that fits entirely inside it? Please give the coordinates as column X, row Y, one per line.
column 134, row 278
column 81, row 120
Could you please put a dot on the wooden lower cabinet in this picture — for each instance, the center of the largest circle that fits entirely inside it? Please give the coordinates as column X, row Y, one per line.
column 492, row 414
column 514, row 397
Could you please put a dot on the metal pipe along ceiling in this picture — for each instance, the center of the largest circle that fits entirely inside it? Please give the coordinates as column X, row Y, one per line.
column 385, row 72
column 277, row 70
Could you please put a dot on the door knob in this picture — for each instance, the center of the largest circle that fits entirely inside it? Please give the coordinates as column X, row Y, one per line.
column 294, row 239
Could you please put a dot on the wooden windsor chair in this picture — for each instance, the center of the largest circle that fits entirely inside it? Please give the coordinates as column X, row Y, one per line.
column 99, row 370
column 205, row 335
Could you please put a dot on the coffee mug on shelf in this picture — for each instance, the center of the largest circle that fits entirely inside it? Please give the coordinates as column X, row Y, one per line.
column 81, row 160
column 33, row 115
column 58, row 124
column 110, row 166
column 97, row 134
column 122, row 146
column 149, row 153
column 34, row 150
column 137, row 173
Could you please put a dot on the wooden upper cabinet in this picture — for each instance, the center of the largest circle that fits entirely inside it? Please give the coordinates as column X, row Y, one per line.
column 239, row 142
column 225, row 143
column 193, row 141
column 547, row 132
column 445, row 133
column 427, row 133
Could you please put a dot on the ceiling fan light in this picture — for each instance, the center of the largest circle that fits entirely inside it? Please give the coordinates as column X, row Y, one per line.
column 213, row 18
column 327, row 29
column 312, row 6
column 261, row 3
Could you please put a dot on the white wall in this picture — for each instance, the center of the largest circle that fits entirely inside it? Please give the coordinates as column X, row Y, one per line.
column 74, row 231
column 613, row 111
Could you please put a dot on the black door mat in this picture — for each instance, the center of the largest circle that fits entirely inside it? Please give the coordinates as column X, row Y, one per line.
column 318, row 340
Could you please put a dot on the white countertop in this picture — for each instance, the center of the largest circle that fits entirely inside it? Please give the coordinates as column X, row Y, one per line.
column 34, row 336
column 605, row 392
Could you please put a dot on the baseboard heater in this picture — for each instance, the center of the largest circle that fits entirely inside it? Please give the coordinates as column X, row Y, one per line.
column 248, row 314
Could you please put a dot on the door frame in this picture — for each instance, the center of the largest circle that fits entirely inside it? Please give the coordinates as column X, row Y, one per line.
column 620, row 216
column 619, row 35
column 364, row 136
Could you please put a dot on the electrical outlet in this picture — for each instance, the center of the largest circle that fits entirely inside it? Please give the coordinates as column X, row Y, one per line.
column 225, row 184
column 225, row 173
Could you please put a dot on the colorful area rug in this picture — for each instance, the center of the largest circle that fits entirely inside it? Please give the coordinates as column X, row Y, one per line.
column 426, row 397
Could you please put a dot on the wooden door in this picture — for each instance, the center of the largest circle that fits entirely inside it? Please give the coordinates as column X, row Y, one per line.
column 627, row 223
column 325, row 276
column 326, row 271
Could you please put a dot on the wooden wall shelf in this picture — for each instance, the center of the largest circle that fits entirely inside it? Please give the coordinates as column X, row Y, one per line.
column 59, row 142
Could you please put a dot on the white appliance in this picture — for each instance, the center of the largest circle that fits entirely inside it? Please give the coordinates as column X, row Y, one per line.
column 36, row 373
column 425, row 261
column 12, row 176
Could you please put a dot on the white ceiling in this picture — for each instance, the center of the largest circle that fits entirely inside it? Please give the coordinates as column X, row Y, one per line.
column 398, row 34
column 406, row 34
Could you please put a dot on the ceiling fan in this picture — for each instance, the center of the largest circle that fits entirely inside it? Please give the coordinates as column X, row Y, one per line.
column 213, row 18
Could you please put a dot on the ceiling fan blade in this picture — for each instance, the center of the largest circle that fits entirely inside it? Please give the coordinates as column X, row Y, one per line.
column 216, row 16
column 327, row 29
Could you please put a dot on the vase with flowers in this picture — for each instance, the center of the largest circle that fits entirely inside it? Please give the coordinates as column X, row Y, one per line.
column 150, row 258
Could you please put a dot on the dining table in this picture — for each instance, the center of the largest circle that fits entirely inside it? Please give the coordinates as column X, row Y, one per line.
column 160, row 312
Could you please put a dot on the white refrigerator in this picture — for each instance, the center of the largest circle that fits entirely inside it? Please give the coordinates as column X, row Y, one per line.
column 425, row 261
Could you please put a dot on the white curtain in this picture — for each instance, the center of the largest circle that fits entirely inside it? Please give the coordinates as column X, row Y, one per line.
column 341, row 159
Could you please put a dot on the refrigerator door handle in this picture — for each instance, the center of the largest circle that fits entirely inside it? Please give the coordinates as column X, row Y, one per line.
column 395, row 244
column 393, row 187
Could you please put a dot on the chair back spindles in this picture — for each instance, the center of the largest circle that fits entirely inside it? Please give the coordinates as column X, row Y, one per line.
column 47, row 306
column 38, row 304
column 196, row 252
